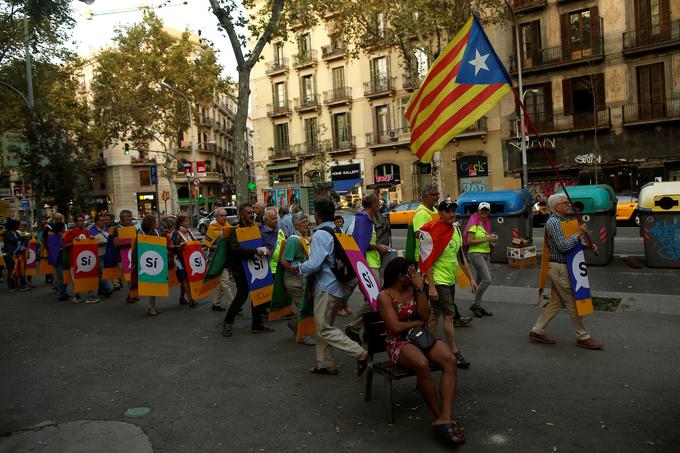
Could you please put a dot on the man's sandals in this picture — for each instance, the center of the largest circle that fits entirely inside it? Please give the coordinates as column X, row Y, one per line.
column 450, row 432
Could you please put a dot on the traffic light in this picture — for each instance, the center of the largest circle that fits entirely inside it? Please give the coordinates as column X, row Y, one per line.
column 127, row 149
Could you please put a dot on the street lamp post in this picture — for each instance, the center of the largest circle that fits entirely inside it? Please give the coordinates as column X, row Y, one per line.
column 193, row 146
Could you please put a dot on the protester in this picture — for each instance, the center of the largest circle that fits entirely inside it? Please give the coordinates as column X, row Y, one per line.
column 296, row 252
column 76, row 233
column 216, row 230
column 55, row 254
column 235, row 262
column 286, row 223
column 111, row 225
column 383, row 236
column 479, row 239
column 363, row 232
column 259, row 212
column 558, row 274
column 42, row 244
column 446, row 257
column 403, row 305
column 99, row 232
column 180, row 235
column 12, row 248
column 272, row 238
column 26, row 237
column 328, row 295
column 339, row 223
column 150, row 227
column 123, row 245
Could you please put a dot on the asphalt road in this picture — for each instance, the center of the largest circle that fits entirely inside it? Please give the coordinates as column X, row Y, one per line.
column 62, row 363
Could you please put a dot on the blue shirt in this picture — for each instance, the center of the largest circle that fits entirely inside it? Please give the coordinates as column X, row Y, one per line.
column 321, row 258
column 286, row 224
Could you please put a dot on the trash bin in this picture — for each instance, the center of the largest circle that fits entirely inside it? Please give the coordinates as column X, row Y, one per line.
column 597, row 206
column 659, row 210
column 510, row 216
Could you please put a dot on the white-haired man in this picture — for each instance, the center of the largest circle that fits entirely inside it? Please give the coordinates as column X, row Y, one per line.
column 215, row 231
column 558, row 274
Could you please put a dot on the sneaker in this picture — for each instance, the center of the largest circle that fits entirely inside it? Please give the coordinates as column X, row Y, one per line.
column 226, row 330
column 76, row 300
column 589, row 344
column 476, row 311
column 352, row 335
column 262, row 329
column 485, row 312
column 463, row 321
column 24, row 289
column 540, row 338
column 218, row 308
column 307, row 341
column 92, row 300
column 461, row 362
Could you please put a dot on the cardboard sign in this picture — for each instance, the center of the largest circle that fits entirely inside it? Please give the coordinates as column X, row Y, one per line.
column 368, row 284
column 32, row 257
column 578, row 275
column 258, row 274
column 195, row 266
column 152, row 265
column 85, row 264
column 127, row 235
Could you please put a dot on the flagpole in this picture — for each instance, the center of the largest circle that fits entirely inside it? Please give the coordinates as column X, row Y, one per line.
column 534, row 130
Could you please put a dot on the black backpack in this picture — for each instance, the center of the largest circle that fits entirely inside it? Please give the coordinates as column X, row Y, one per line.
column 343, row 269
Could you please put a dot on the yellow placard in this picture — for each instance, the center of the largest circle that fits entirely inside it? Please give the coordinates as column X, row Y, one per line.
column 153, row 289
column 262, row 295
column 584, row 307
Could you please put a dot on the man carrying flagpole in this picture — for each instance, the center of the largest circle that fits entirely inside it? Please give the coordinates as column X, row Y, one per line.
column 558, row 273
column 440, row 257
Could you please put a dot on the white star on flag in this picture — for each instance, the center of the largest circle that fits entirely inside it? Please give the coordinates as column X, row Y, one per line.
column 479, row 62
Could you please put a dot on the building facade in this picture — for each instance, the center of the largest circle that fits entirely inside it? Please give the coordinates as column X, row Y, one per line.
column 602, row 85
column 324, row 120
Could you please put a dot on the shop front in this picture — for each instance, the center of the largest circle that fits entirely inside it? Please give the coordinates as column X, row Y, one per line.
column 346, row 183
column 146, row 203
column 473, row 173
column 387, row 184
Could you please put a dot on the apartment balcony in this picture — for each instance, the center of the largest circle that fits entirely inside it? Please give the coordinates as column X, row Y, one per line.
column 652, row 113
column 411, row 84
column 560, row 57
column 213, row 177
column 337, row 96
column 388, row 138
column 277, row 67
column 206, row 122
column 379, row 87
column 278, row 109
column 307, row 103
column 525, row 6
column 478, row 129
column 338, row 146
column 206, row 147
column 229, row 154
column 333, row 52
column 224, row 107
column 568, row 124
column 280, row 152
column 310, row 149
column 142, row 161
column 663, row 36
column 305, row 59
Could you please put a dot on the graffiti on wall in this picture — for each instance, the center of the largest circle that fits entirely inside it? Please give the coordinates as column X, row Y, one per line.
column 666, row 238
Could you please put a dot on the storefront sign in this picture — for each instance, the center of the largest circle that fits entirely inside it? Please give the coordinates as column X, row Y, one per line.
column 200, row 168
column 472, row 166
column 387, row 178
column 474, row 184
column 343, row 172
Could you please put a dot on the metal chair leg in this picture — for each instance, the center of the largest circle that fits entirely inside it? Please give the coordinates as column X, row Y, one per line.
column 369, row 384
column 388, row 400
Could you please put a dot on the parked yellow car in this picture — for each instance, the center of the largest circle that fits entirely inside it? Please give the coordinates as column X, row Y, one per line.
column 402, row 214
column 626, row 209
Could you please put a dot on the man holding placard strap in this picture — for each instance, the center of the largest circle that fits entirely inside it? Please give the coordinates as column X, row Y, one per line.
column 558, row 245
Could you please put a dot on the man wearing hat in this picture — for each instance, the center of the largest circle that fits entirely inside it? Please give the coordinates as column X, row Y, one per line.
column 441, row 255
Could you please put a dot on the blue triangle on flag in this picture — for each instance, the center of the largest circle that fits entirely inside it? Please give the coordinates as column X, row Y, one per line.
column 480, row 64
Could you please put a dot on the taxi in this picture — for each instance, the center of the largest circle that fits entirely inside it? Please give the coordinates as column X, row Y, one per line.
column 626, row 209
column 402, row 214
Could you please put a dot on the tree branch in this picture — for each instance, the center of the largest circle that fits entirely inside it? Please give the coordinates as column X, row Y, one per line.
column 224, row 20
column 277, row 6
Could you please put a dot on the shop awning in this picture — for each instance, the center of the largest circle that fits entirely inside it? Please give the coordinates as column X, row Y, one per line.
column 346, row 185
column 381, row 185
column 282, row 167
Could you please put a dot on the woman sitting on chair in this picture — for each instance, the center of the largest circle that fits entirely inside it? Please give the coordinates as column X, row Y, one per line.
column 403, row 305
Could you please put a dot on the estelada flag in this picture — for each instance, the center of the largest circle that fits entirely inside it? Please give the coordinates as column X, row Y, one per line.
column 152, row 265
column 127, row 236
column 215, row 265
column 194, row 265
column 85, row 264
column 463, row 83
column 434, row 237
column 258, row 274
column 32, row 257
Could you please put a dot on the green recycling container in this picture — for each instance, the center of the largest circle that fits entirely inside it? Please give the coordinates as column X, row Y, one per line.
column 597, row 206
column 659, row 210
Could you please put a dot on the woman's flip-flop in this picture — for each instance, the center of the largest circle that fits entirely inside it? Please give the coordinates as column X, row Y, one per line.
column 447, row 432
column 328, row 371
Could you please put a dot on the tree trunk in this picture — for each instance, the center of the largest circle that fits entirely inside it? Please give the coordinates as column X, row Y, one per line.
column 239, row 133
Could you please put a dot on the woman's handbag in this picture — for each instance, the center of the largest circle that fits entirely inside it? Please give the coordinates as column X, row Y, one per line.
column 421, row 338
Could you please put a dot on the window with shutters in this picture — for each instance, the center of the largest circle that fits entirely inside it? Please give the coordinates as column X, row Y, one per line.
column 583, row 96
column 280, row 95
column 305, row 43
column 651, row 91
column 530, row 34
column 281, row 138
column 338, row 78
column 381, row 122
column 342, row 131
column 278, row 53
column 380, row 73
column 311, row 134
column 403, row 103
column 579, row 30
column 538, row 102
column 144, row 178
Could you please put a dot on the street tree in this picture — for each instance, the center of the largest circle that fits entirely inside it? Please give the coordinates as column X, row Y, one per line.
column 131, row 105
column 248, row 21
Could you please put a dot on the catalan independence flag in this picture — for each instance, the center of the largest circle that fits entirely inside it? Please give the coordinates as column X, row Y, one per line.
column 464, row 82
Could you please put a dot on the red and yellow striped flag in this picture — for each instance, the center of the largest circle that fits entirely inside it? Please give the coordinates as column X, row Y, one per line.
column 464, row 82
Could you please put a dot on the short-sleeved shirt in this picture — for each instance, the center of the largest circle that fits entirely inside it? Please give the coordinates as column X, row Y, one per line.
column 274, row 260
column 444, row 269
column 422, row 216
column 480, row 233
column 294, row 252
column 373, row 256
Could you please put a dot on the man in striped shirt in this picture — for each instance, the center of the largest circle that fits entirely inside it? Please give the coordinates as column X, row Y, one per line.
column 558, row 274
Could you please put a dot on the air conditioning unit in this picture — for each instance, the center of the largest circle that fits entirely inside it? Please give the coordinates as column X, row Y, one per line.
column 392, row 135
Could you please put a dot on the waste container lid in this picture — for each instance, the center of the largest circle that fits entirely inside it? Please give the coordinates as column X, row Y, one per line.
column 503, row 202
column 592, row 199
column 652, row 190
